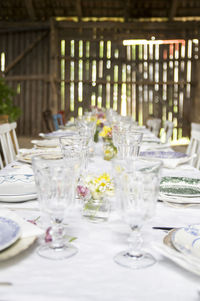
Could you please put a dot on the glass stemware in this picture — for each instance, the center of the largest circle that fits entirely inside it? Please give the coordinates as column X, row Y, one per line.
column 55, row 181
column 138, row 188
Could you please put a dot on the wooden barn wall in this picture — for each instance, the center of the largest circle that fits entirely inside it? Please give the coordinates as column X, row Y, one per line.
column 94, row 68
column 28, row 77
column 139, row 80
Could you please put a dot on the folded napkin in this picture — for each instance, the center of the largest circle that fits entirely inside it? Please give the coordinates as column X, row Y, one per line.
column 154, row 146
column 188, row 262
column 179, row 199
column 174, row 162
column 27, row 228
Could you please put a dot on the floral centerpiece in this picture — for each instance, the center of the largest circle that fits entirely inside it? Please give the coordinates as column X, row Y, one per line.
column 95, row 193
column 109, row 148
column 100, row 120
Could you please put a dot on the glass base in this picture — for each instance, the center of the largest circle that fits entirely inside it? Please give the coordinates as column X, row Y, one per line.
column 128, row 260
column 66, row 251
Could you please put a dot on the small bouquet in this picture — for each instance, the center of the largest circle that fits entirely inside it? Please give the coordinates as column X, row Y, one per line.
column 95, row 193
column 109, row 148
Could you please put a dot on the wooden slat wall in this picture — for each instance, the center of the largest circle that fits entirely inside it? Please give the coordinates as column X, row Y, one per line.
column 150, row 80
column 29, row 77
column 146, row 79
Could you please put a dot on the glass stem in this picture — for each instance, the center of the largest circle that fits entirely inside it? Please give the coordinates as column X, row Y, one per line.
column 135, row 242
column 57, row 235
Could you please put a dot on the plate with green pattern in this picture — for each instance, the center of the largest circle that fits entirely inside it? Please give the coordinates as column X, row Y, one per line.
column 180, row 187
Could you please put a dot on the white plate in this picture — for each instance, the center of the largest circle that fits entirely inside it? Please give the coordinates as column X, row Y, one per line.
column 17, row 184
column 19, row 246
column 46, row 143
column 27, row 157
column 9, row 232
column 187, row 240
column 17, row 198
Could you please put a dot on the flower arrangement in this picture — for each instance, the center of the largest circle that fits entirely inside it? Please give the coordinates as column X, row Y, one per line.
column 106, row 133
column 94, row 193
column 100, row 120
column 109, row 148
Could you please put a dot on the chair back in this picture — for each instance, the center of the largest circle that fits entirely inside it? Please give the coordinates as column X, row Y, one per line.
column 154, row 125
column 52, row 121
column 168, row 128
column 6, row 152
column 194, row 145
column 15, row 143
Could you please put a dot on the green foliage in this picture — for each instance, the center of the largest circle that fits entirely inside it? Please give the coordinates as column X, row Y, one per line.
column 6, row 102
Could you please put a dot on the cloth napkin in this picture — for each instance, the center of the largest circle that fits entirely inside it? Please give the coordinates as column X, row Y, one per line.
column 189, row 263
column 27, row 229
column 179, row 199
column 173, row 163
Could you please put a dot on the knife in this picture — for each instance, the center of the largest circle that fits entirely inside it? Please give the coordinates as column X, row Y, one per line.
column 164, row 228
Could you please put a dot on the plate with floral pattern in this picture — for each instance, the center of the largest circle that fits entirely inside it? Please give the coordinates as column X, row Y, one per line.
column 9, row 232
column 180, row 187
column 187, row 240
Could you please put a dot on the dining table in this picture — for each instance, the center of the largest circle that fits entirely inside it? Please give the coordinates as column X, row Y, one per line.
column 92, row 274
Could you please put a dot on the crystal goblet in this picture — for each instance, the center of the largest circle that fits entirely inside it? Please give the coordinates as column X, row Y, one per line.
column 138, row 189
column 55, row 181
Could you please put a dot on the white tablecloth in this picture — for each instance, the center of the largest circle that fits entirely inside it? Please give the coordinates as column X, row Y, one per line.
column 92, row 274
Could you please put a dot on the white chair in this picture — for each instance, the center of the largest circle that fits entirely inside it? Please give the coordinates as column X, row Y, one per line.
column 168, row 128
column 15, row 149
column 194, row 145
column 6, row 144
column 154, row 125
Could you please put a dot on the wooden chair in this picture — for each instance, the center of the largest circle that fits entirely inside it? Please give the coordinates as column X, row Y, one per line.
column 7, row 155
column 15, row 143
column 154, row 125
column 52, row 121
column 194, row 145
column 168, row 128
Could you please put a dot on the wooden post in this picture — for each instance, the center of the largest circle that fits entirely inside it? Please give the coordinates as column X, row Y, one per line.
column 53, row 67
column 195, row 112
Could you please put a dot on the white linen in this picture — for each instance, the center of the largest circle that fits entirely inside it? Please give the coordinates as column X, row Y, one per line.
column 27, row 228
column 173, row 163
column 92, row 275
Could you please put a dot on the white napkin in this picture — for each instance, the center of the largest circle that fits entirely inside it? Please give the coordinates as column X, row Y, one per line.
column 173, row 163
column 187, row 262
column 179, row 199
column 27, row 229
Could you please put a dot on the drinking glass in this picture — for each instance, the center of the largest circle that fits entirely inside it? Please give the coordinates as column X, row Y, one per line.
column 138, row 189
column 127, row 142
column 55, row 180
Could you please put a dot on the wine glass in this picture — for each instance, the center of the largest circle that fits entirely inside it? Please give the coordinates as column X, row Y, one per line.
column 55, row 181
column 138, row 189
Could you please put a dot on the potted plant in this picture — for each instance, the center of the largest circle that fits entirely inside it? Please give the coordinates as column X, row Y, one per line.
column 8, row 111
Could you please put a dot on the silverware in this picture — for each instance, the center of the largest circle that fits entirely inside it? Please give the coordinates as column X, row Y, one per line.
column 6, row 283
column 164, row 228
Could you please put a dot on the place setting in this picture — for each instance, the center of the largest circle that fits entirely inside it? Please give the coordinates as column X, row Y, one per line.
column 181, row 191
column 16, row 188
column 170, row 159
column 17, row 234
column 182, row 246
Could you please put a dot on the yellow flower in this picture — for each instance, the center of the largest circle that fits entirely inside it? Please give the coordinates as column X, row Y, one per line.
column 106, row 132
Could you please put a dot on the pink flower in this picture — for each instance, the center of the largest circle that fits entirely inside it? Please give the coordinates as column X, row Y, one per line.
column 82, row 191
column 48, row 237
column 100, row 115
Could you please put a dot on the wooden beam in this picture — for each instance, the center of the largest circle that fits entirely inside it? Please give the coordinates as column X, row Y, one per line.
column 53, row 67
column 44, row 77
column 25, row 52
column 6, row 26
column 173, row 8
column 127, row 9
column 79, row 9
column 30, row 9
column 133, row 25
